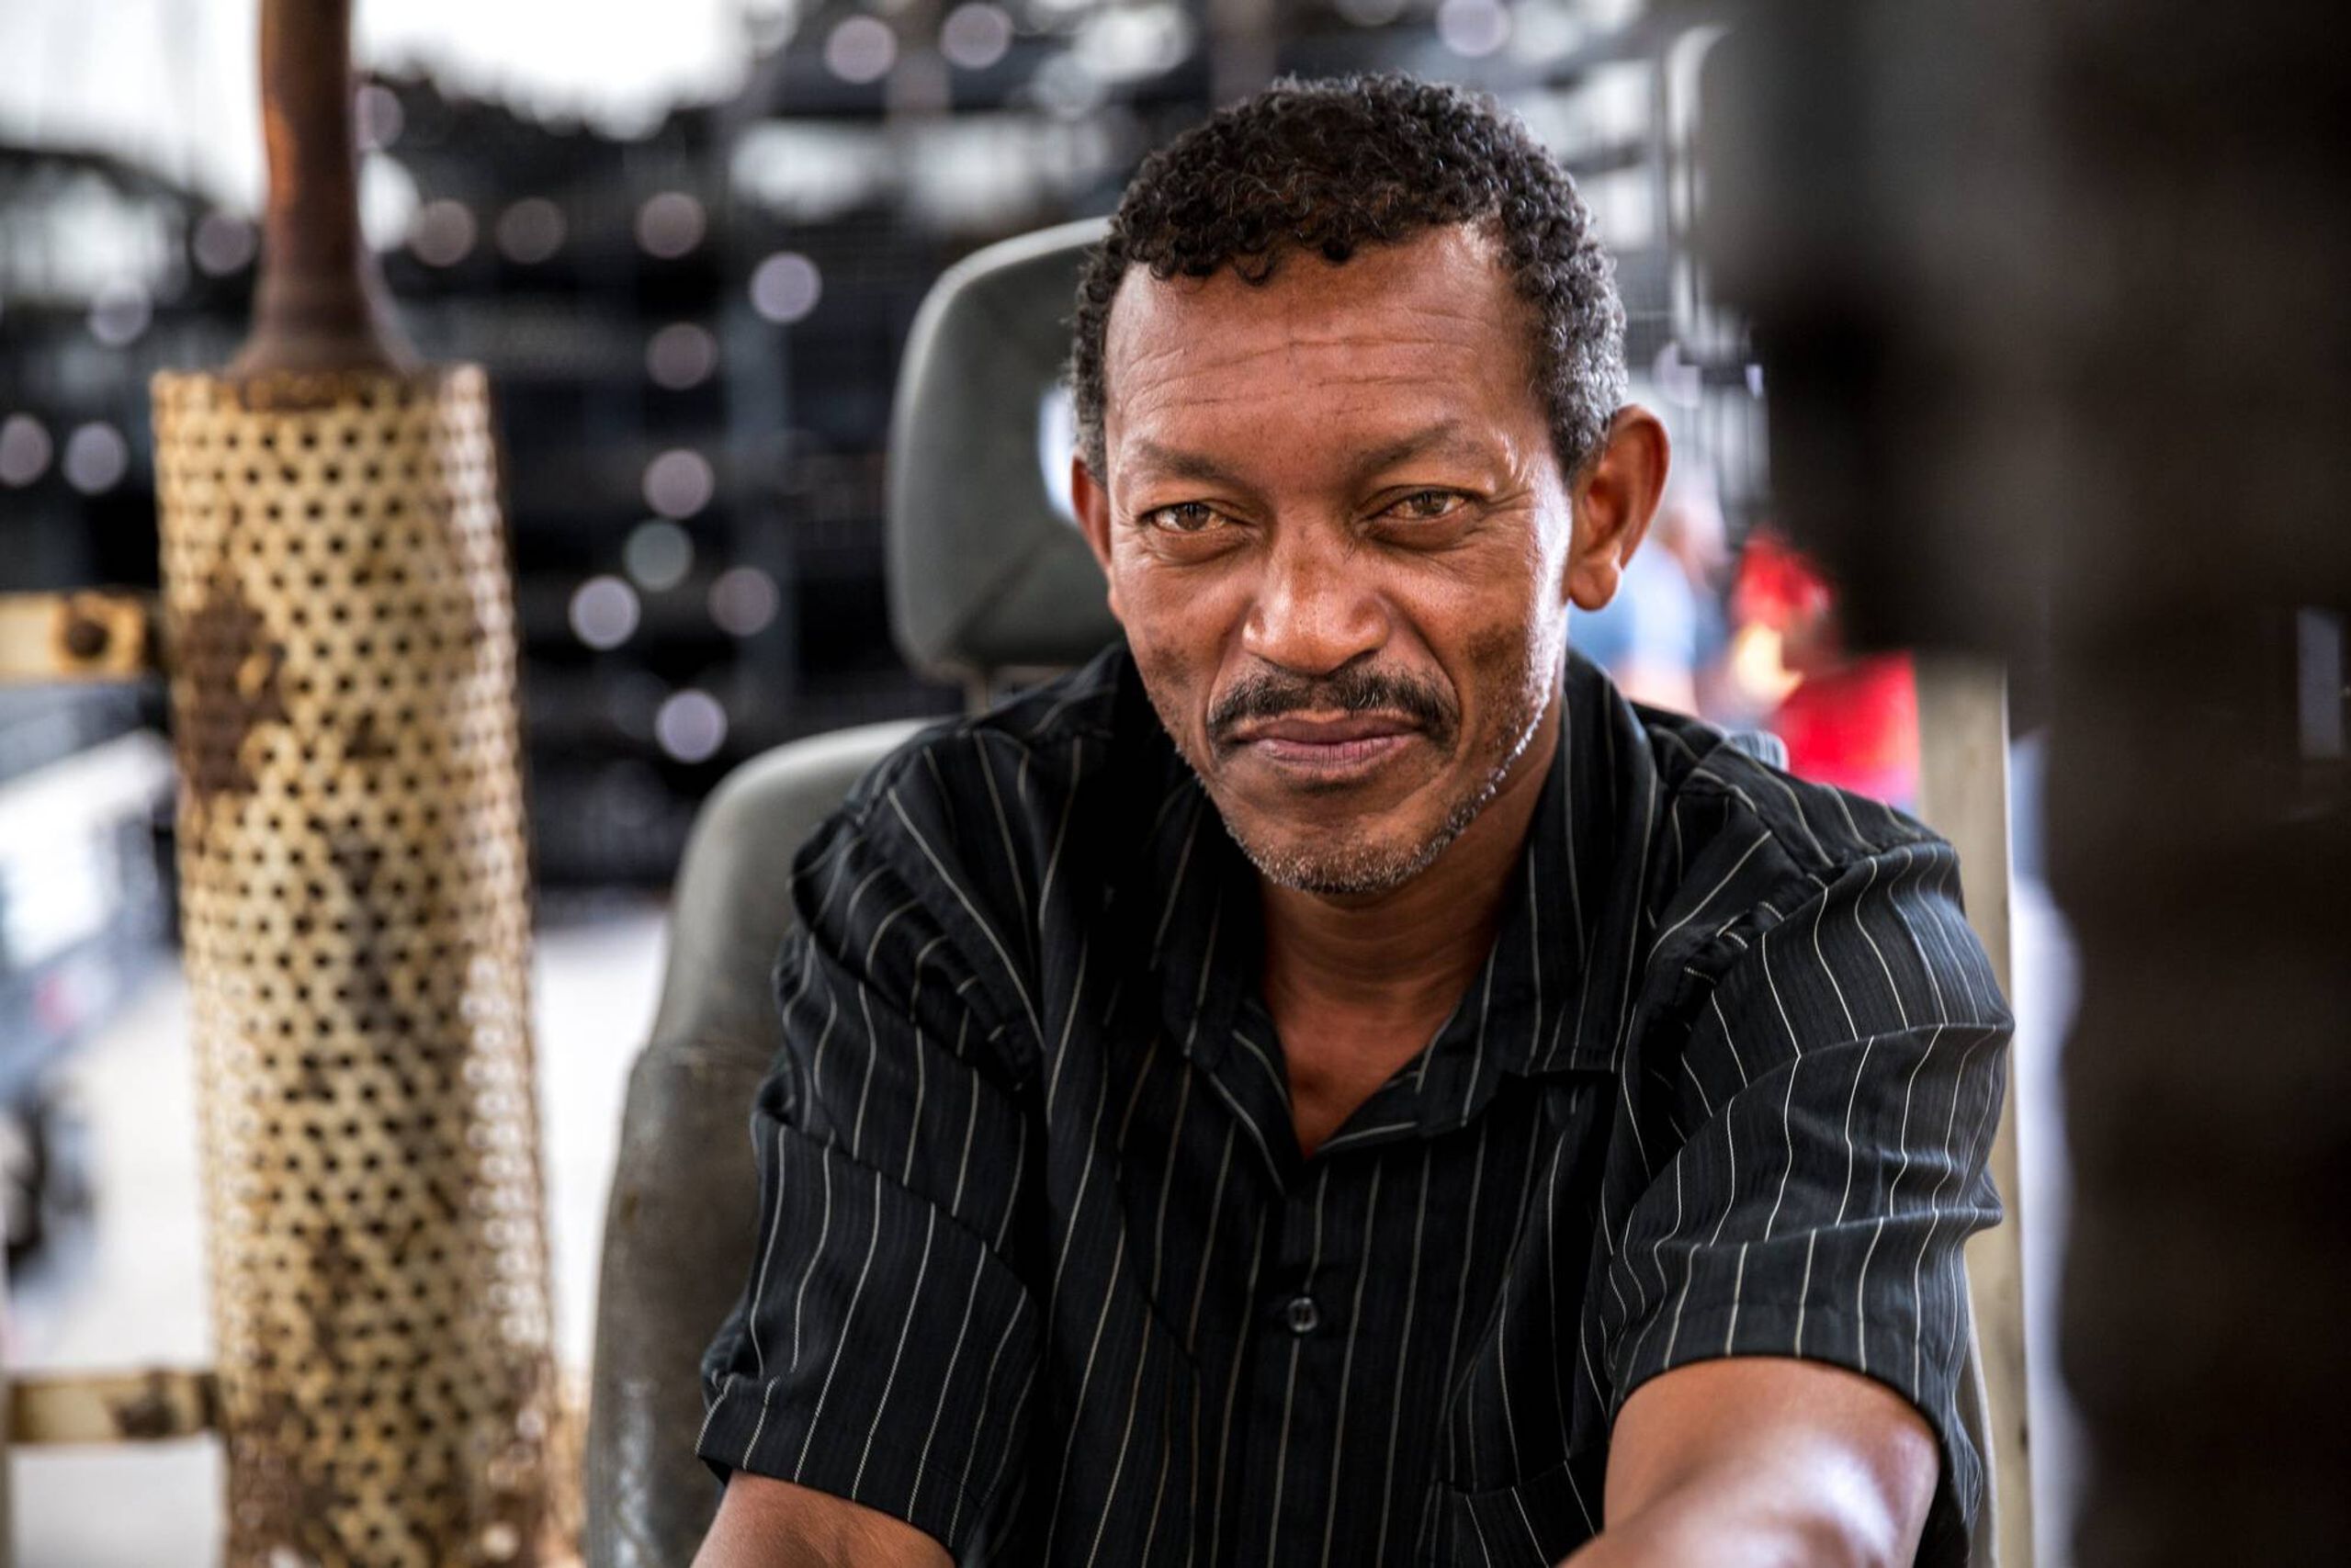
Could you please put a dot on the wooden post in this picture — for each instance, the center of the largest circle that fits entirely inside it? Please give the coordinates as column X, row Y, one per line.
column 1963, row 795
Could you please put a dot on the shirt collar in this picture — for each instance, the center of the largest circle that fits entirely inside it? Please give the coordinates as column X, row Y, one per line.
column 1553, row 994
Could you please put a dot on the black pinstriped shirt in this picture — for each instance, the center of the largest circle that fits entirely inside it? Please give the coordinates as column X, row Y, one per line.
column 1041, row 1270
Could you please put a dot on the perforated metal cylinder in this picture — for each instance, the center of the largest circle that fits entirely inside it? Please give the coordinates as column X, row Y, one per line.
column 339, row 618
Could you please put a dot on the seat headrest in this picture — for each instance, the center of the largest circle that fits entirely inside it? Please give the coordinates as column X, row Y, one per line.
column 988, row 570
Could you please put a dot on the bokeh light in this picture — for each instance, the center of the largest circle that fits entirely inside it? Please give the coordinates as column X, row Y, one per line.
column 377, row 119
column 658, row 553
column 691, row 726
column 744, row 601
column 24, row 450
column 119, row 314
column 975, row 37
column 530, row 230
column 681, row 354
column 1473, row 28
column 96, row 457
column 861, row 48
column 604, row 612
column 785, row 287
column 671, row 224
column 679, row 482
column 443, row 232
column 223, row 244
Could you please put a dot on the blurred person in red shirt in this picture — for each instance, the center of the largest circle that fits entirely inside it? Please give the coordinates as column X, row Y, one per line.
column 1847, row 720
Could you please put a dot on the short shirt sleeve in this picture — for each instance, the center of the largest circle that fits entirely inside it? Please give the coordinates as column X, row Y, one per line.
column 1839, row 1088
column 885, row 1342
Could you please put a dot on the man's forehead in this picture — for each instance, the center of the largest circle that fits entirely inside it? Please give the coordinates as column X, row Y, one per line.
column 1422, row 319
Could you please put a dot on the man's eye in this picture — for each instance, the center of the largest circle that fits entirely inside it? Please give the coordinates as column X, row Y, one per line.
column 1184, row 517
column 1425, row 506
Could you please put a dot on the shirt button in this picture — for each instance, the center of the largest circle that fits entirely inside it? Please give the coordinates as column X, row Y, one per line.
column 1302, row 1316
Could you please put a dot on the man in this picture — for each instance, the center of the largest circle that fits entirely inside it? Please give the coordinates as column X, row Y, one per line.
column 1335, row 1084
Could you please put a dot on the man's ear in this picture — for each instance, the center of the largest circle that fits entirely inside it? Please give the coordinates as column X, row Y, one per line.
column 1092, row 502
column 1614, row 499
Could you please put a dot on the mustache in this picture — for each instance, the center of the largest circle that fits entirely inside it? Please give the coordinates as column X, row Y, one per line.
column 1350, row 690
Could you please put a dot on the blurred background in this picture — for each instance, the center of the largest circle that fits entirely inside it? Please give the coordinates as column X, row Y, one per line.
column 687, row 241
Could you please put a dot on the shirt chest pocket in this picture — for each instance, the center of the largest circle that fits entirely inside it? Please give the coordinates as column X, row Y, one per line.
column 1531, row 1523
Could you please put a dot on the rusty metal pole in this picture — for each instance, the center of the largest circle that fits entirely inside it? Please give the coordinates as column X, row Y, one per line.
column 339, row 613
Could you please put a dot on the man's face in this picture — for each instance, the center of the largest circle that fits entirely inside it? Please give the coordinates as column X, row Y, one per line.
column 1340, row 542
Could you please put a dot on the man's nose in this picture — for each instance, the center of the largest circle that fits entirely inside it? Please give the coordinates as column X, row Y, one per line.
column 1317, row 607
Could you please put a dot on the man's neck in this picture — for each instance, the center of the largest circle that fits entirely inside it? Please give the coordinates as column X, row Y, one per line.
column 1407, row 953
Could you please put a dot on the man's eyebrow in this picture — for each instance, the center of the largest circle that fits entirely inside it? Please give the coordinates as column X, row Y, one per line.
column 1174, row 463
column 1447, row 437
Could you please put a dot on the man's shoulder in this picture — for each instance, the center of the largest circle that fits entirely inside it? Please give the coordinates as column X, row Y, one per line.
column 1740, row 854
column 1732, row 845
column 1740, row 849
column 1732, row 785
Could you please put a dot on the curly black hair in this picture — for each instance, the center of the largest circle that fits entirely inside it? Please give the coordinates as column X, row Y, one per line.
column 1331, row 167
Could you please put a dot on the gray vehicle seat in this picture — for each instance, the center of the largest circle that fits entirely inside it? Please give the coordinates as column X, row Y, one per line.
column 988, row 578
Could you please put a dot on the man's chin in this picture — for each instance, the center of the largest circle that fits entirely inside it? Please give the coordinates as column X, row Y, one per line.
column 1340, row 865
column 1325, row 878
column 1358, row 854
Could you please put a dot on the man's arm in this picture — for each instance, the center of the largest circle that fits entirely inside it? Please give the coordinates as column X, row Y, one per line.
column 1787, row 1296
column 880, row 1357
column 1763, row 1463
column 764, row 1523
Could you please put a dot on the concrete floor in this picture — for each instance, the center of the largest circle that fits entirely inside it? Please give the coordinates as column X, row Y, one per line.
column 126, row 1291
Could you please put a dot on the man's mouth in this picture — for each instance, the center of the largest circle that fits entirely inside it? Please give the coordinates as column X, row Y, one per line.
column 1327, row 748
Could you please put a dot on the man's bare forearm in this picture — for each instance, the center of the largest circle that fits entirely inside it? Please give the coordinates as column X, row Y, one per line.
column 1724, row 1524
column 1764, row 1464
column 764, row 1523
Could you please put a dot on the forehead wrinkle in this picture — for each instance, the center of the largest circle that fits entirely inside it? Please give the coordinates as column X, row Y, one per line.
column 1358, row 332
column 1149, row 402
column 1218, row 348
column 1307, row 325
column 1370, row 361
column 1300, row 325
column 1410, row 400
